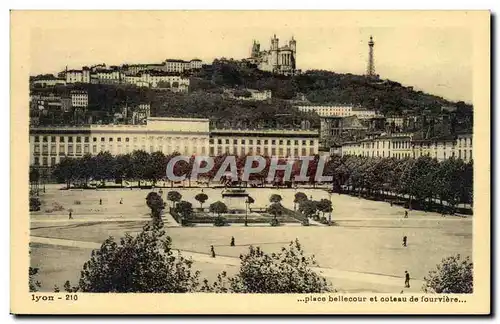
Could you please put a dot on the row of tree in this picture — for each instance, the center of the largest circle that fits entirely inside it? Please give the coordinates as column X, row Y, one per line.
column 422, row 181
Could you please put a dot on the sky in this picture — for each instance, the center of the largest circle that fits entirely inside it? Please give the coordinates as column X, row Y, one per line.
column 431, row 56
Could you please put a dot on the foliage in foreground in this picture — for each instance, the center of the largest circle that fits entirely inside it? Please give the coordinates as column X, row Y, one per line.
column 453, row 275
column 288, row 271
column 145, row 263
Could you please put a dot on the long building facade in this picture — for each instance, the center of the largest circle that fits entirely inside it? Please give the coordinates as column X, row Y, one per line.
column 403, row 145
column 188, row 136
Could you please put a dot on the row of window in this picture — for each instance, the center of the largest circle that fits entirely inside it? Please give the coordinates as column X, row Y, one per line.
column 259, row 142
column 45, row 139
column 86, row 139
column 273, row 152
column 404, row 155
column 77, row 149
column 394, row 145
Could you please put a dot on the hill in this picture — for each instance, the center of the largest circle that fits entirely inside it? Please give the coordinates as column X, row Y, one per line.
column 323, row 87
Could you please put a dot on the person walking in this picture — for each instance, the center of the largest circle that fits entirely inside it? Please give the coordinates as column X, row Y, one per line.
column 404, row 240
column 100, row 201
column 407, row 279
column 232, row 241
column 406, row 214
column 70, row 215
column 212, row 250
column 121, row 201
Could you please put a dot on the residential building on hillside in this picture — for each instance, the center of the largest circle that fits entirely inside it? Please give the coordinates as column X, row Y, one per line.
column 48, row 81
column 79, row 98
column 339, row 111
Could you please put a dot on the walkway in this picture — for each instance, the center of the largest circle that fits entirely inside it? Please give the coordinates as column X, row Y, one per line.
column 371, row 278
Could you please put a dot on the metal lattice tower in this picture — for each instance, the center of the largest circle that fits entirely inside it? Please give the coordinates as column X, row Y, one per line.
column 370, row 69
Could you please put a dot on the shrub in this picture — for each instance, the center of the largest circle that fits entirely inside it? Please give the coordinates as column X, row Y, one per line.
column 127, row 266
column 35, row 204
column 57, row 207
column 220, row 221
column 274, row 222
column 288, row 271
column 452, row 276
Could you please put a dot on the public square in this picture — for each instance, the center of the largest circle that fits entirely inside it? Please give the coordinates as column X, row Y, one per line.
column 363, row 252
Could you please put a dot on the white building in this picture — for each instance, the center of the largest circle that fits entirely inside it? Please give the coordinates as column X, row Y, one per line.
column 79, row 99
column 179, row 66
column 282, row 143
column 398, row 121
column 188, row 136
column 403, row 146
column 49, row 82
column 339, row 111
column 158, row 80
column 78, row 76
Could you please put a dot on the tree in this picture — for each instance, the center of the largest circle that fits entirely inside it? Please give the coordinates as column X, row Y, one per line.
column 324, row 206
column 104, row 166
column 35, row 204
column 275, row 209
column 33, row 284
column 308, row 208
column 156, row 204
column 201, row 198
column 288, row 271
column 174, row 197
column 275, row 198
column 453, row 275
column 141, row 264
column 218, row 208
column 140, row 161
column 66, row 171
column 299, row 198
column 185, row 209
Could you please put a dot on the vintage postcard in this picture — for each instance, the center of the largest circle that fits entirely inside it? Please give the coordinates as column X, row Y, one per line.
column 250, row 162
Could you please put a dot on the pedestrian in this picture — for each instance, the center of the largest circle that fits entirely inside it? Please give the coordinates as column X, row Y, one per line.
column 202, row 190
column 232, row 240
column 100, row 201
column 406, row 214
column 212, row 250
column 407, row 279
column 121, row 201
column 70, row 215
column 391, row 203
column 404, row 241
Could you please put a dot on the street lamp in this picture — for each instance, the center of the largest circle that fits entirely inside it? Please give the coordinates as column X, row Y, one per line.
column 246, row 212
column 330, row 213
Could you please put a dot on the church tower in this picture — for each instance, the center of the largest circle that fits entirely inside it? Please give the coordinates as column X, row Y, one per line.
column 293, row 47
column 274, row 52
column 255, row 49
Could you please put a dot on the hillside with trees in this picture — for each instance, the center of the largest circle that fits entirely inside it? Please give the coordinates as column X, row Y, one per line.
column 206, row 100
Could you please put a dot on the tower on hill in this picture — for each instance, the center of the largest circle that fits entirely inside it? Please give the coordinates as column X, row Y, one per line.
column 370, row 69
